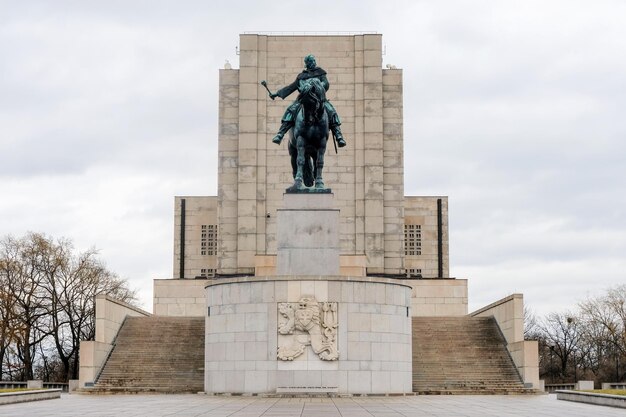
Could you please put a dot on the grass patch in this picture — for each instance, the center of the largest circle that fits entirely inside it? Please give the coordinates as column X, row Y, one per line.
column 4, row 391
column 621, row 392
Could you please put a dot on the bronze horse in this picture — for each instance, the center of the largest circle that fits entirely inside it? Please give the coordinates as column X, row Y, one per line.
column 309, row 136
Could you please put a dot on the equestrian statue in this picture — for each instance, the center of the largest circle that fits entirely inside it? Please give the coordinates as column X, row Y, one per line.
column 309, row 118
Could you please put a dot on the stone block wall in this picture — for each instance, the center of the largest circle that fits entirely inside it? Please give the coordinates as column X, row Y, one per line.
column 92, row 357
column 438, row 297
column 179, row 297
column 110, row 314
column 509, row 313
column 349, row 265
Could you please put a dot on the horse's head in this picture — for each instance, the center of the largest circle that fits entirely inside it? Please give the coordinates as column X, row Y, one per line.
column 313, row 95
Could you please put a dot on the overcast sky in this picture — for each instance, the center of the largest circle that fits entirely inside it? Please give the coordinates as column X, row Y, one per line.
column 516, row 110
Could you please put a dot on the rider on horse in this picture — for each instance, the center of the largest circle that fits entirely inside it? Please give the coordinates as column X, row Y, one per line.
column 311, row 71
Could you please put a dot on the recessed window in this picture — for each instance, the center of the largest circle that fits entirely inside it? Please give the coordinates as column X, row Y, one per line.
column 207, row 272
column 413, row 273
column 412, row 239
column 208, row 239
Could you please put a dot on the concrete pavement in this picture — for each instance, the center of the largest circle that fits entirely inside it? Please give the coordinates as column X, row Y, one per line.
column 207, row 406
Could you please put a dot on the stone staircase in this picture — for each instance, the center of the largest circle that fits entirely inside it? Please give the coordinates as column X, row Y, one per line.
column 462, row 355
column 155, row 354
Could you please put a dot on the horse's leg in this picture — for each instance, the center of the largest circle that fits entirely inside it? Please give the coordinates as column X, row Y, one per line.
column 293, row 155
column 299, row 162
column 312, row 163
column 319, row 165
column 307, row 170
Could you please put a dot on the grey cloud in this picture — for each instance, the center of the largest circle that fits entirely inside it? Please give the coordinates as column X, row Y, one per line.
column 514, row 110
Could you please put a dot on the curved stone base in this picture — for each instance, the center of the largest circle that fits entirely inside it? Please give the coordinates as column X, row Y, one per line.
column 373, row 334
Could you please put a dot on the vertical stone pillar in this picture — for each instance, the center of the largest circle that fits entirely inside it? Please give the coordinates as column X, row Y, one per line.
column 248, row 153
column 262, row 141
column 373, row 152
column 359, row 145
column 228, row 159
column 393, row 171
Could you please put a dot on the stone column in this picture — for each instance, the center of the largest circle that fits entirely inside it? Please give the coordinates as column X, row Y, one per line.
column 34, row 384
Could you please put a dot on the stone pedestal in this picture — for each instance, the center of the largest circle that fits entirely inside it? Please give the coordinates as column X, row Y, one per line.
column 245, row 336
column 307, row 329
column 308, row 235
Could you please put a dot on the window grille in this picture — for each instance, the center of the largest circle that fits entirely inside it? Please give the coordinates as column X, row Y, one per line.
column 413, row 273
column 208, row 240
column 412, row 239
column 207, row 272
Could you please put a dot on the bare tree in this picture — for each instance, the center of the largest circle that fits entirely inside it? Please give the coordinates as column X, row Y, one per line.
column 24, row 284
column 48, row 305
column 531, row 325
column 8, row 313
column 75, row 287
column 605, row 328
column 616, row 301
column 590, row 342
column 562, row 335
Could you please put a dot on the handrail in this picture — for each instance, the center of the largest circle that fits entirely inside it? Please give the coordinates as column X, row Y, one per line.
column 506, row 347
column 95, row 380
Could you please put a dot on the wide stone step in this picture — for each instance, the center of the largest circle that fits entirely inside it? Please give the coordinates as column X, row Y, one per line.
column 462, row 355
column 155, row 354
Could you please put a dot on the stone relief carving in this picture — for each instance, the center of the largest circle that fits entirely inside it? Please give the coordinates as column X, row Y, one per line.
column 309, row 323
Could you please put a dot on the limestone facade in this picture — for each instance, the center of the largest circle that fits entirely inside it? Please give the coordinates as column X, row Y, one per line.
column 428, row 217
column 195, row 218
column 179, row 297
column 420, row 213
column 438, row 297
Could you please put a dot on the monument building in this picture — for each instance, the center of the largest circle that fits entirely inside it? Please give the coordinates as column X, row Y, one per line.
column 339, row 291
column 382, row 231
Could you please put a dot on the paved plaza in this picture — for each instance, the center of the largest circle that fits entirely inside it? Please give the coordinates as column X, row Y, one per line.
column 206, row 406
